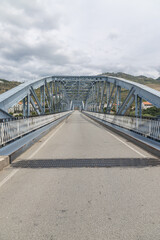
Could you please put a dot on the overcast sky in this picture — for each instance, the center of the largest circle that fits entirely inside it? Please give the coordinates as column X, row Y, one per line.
column 78, row 37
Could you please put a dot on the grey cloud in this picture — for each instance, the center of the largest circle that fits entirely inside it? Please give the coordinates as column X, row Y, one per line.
column 29, row 15
column 46, row 52
column 48, row 37
column 113, row 35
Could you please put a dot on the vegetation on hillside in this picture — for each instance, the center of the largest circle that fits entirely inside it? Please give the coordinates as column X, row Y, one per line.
column 154, row 83
column 7, row 85
column 151, row 112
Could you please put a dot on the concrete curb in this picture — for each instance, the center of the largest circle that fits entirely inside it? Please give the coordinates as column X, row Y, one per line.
column 13, row 150
column 4, row 162
column 148, row 145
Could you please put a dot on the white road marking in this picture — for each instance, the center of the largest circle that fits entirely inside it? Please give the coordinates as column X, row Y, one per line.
column 16, row 170
column 141, row 154
column 44, row 143
column 8, row 177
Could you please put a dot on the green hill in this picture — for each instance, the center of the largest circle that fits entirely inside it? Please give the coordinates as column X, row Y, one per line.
column 140, row 79
column 6, row 85
column 153, row 83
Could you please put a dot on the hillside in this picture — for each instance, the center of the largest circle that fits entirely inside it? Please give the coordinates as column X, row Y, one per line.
column 6, row 85
column 150, row 82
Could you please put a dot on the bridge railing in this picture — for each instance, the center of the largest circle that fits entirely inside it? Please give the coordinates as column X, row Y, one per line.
column 146, row 127
column 10, row 130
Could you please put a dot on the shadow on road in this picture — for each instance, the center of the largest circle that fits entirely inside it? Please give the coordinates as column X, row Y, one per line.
column 88, row 163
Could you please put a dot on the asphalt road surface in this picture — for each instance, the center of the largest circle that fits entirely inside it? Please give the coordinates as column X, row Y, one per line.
column 81, row 182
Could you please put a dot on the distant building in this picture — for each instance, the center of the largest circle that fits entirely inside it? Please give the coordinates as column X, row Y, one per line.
column 18, row 108
column 146, row 105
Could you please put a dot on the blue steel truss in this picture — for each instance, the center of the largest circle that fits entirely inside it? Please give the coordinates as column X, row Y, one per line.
column 93, row 93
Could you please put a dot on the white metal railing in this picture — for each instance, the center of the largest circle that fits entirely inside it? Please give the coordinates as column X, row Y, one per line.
column 10, row 130
column 146, row 127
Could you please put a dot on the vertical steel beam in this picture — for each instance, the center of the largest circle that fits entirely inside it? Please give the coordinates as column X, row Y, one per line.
column 118, row 98
column 111, row 99
column 140, row 107
column 24, row 107
column 95, row 97
column 108, row 91
column 71, row 105
column 28, row 104
column 62, row 100
column 78, row 97
column 92, row 95
column 98, row 96
column 102, row 96
column 136, row 105
column 42, row 97
column 56, row 98
column 51, row 95
column 60, row 97
column 48, row 97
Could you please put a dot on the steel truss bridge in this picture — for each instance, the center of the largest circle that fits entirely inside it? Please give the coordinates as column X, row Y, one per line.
column 78, row 177
column 93, row 93
column 56, row 96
